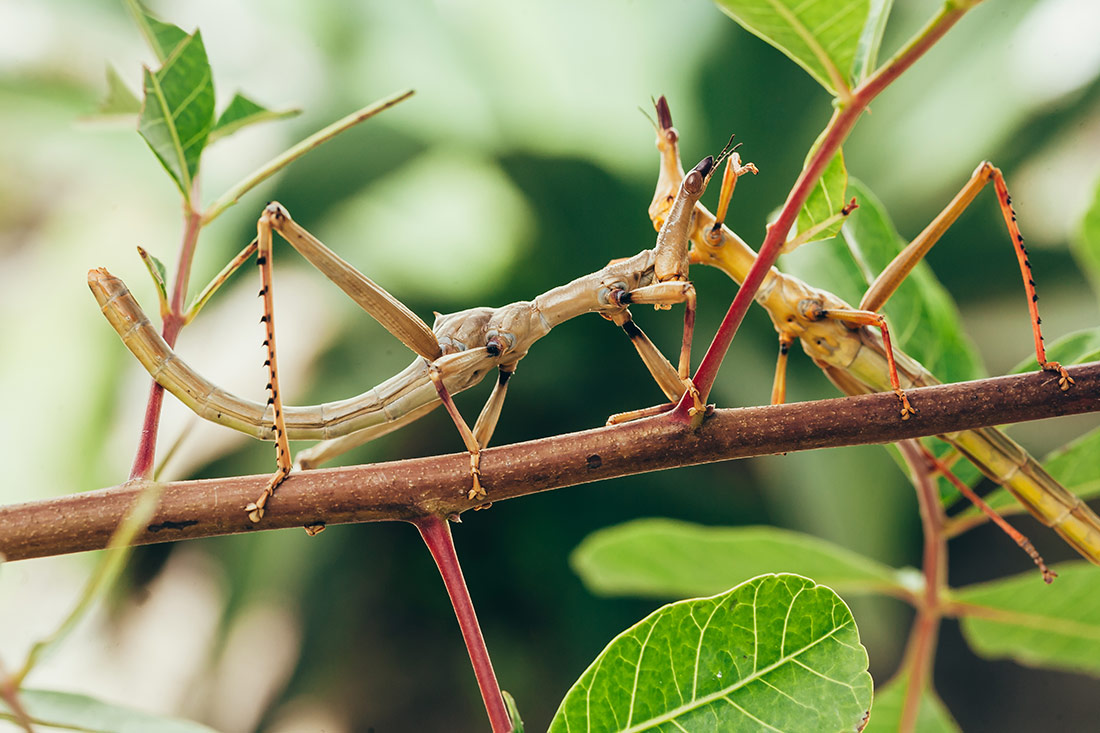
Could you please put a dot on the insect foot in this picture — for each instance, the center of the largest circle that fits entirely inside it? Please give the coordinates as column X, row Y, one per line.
column 476, row 491
column 1065, row 381
column 907, row 410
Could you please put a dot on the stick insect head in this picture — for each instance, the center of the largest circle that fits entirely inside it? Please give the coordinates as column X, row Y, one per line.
column 462, row 330
column 695, row 182
column 512, row 330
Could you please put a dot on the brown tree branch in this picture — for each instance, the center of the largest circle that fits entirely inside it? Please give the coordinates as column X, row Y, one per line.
column 403, row 490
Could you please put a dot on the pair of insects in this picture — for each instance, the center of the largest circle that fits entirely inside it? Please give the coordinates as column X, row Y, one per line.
column 462, row 348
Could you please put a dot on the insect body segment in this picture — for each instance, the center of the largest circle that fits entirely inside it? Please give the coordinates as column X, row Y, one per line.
column 377, row 408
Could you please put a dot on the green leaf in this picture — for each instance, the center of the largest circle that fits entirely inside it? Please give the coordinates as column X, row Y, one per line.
column 662, row 558
column 243, row 112
column 120, row 101
column 80, row 712
column 179, row 111
column 822, row 37
column 156, row 271
column 871, row 39
column 513, row 711
column 821, row 217
column 1022, row 619
column 1079, row 347
column 163, row 38
column 933, row 716
column 1077, row 465
column 1086, row 245
column 778, row 652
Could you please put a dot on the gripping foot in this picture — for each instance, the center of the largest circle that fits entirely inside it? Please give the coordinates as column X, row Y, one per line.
column 1065, row 381
column 907, row 410
column 255, row 509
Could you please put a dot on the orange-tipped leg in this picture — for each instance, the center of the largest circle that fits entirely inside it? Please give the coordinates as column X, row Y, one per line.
column 891, row 277
column 870, row 318
column 1023, row 542
column 255, row 509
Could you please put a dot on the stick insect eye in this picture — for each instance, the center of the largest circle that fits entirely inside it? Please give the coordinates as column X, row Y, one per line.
column 498, row 342
column 696, row 179
column 604, row 296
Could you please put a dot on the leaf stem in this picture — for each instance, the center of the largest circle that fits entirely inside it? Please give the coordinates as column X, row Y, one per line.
column 436, row 533
column 276, row 164
column 9, row 693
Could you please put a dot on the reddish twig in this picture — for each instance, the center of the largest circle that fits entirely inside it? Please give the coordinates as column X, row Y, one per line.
column 437, row 536
column 145, row 457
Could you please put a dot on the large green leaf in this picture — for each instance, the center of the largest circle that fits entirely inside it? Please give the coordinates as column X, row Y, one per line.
column 932, row 717
column 778, row 652
column 665, row 558
column 1086, row 245
column 1025, row 620
column 821, row 36
column 179, row 110
column 83, row 713
column 242, row 112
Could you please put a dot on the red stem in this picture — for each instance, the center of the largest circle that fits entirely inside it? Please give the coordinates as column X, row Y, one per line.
column 839, row 126
column 145, row 458
column 9, row 693
column 437, row 536
column 925, row 632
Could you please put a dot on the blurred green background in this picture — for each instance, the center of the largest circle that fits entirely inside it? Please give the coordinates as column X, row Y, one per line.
column 521, row 162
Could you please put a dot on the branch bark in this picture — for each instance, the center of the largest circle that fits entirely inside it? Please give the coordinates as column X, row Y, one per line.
column 405, row 490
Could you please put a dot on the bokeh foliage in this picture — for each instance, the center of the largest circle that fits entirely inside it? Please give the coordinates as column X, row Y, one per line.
column 521, row 164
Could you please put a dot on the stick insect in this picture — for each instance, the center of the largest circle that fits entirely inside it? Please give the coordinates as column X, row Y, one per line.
column 859, row 360
column 454, row 355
